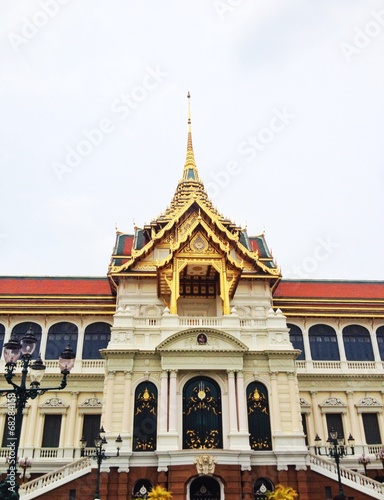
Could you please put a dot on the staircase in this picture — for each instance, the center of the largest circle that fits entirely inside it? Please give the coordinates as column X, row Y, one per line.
column 350, row 478
column 48, row 482
column 51, row 481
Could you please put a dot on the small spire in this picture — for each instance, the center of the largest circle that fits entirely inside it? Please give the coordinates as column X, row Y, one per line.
column 190, row 169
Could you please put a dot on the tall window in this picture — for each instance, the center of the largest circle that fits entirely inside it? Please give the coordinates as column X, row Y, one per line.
column 21, row 329
column 357, row 343
column 51, row 433
column 371, row 428
column 202, row 416
column 59, row 336
column 323, row 342
column 145, row 419
column 2, row 335
column 296, row 337
column 380, row 341
column 96, row 337
column 91, row 428
column 258, row 417
column 334, row 421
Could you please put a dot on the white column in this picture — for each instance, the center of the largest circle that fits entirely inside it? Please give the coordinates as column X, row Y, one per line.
column 109, row 401
column 79, row 345
column 340, row 343
column 307, row 345
column 375, row 345
column 163, row 406
column 232, row 402
column 275, row 405
column 30, row 423
column 70, row 434
column 172, row 401
column 354, row 426
column 126, row 418
column 241, row 402
column 295, row 407
column 318, row 424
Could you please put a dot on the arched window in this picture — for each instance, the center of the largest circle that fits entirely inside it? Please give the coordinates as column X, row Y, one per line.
column 59, row 336
column 259, row 424
column 296, row 337
column 142, row 488
column 204, row 488
column 96, row 337
column 262, row 487
column 2, row 335
column 323, row 343
column 202, row 424
column 380, row 341
column 357, row 343
column 145, row 419
column 21, row 329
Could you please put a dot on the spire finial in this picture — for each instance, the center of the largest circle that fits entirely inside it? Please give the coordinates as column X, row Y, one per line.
column 190, row 169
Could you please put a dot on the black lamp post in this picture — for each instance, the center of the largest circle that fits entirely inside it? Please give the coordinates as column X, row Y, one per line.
column 100, row 455
column 19, row 394
column 336, row 449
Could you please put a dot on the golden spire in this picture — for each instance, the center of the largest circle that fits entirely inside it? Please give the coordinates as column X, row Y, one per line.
column 190, row 170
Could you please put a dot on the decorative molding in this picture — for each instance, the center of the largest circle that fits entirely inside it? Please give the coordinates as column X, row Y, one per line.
column 91, row 403
column 205, row 464
column 53, row 406
column 369, row 405
column 333, row 405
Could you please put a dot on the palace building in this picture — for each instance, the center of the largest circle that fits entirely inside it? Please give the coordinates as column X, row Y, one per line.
column 221, row 379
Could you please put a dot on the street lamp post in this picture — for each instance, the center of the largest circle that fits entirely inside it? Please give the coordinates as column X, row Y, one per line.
column 336, row 449
column 18, row 396
column 364, row 460
column 24, row 463
column 100, row 455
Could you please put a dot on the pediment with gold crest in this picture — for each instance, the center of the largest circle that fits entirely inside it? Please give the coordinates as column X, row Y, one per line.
column 188, row 348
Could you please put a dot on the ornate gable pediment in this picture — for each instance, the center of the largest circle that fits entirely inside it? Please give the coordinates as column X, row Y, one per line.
column 202, row 349
column 202, row 340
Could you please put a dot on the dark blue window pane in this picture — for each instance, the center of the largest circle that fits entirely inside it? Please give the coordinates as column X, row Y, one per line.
column 2, row 335
column 59, row 336
column 21, row 329
column 296, row 337
column 96, row 337
column 323, row 343
column 380, row 341
column 357, row 343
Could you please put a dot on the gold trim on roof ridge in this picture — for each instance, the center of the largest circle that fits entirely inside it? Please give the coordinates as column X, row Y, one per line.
column 190, row 162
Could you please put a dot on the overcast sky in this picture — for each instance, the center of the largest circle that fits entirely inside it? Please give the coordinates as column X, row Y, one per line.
column 287, row 119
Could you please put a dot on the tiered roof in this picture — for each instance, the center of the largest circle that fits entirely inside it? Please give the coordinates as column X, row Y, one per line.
column 190, row 196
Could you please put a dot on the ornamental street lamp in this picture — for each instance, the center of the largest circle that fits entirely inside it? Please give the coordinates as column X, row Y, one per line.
column 380, row 456
column 336, row 449
column 19, row 394
column 100, row 455
column 24, row 463
column 364, row 460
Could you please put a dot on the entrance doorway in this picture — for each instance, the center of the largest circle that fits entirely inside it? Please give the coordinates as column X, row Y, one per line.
column 205, row 488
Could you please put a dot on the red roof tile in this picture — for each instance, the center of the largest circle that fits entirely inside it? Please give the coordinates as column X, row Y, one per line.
column 330, row 289
column 54, row 286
